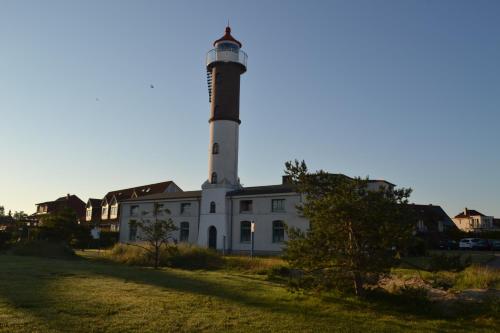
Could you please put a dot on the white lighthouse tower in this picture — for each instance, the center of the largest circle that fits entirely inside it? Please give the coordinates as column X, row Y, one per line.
column 225, row 63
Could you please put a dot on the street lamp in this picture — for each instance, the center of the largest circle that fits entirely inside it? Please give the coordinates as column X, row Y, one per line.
column 252, row 234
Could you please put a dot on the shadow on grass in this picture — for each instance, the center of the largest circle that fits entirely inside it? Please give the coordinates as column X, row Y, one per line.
column 50, row 270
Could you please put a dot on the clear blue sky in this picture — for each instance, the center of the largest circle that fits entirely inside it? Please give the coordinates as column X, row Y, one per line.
column 408, row 91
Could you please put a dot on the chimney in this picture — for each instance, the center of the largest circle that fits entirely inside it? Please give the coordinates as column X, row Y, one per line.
column 67, row 196
column 465, row 211
column 286, row 180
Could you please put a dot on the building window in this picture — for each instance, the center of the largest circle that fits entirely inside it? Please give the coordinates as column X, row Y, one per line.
column 278, row 205
column 278, row 231
column 420, row 225
column 105, row 211
column 159, row 208
column 184, row 234
column 245, row 231
column 89, row 213
column 113, row 210
column 212, row 207
column 134, row 210
column 246, row 206
column 214, row 178
column 185, row 207
column 215, row 148
column 132, row 233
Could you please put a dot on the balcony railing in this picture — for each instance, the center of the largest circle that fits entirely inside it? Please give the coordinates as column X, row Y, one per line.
column 227, row 55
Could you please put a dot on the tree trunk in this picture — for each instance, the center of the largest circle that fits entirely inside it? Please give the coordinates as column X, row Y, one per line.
column 358, row 284
column 157, row 256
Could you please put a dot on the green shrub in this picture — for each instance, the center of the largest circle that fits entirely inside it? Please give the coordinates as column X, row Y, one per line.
column 108, row 238
column 182, row 256
column 130, row 255
column 43, row 248
column 193, row 257
column 5, row 239
column 448, row 262
column 255, row 265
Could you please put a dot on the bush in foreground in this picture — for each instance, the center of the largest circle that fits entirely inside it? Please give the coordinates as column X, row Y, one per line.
column 43, row 248
column 182, row 256
column 187, row 256
column 478, row 277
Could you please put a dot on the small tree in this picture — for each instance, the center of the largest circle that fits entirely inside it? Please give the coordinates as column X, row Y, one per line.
column 63, row 226
column 156, row 233
column 59, row 226
column 21, row 215
column 2, row 210
column 353, row 232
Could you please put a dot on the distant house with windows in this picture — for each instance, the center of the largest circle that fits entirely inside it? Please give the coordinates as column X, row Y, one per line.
column 105, row 213
column 471, row 220
column 431, row 219
column 70, row 201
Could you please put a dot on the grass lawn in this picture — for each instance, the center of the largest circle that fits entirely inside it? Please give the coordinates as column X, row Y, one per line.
column 88, row 295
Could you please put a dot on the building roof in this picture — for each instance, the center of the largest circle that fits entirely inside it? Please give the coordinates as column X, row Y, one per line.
column 432, row 213
column 61, row 199
column 66, row 198
column 140, row 191
column 227, row 36
column 469, row 213
column 94, row 202
column 167, row 196
column 268, row 189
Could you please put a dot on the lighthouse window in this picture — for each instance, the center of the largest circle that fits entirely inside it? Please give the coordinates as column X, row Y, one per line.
column 212, row 207
column 215, row 148
column 227, row 47
column 214, row 178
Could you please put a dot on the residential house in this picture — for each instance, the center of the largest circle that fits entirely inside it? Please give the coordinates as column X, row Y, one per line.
column 70, row 201
column 108, row 215
column 471, row 220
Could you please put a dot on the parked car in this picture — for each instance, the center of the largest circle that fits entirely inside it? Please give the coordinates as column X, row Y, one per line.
column 448, row 244
column 480, row 244
column 465, row 244
column 494, row 244
column 473, row 244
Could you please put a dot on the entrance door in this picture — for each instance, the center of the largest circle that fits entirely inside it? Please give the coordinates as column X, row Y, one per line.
column 212, row 237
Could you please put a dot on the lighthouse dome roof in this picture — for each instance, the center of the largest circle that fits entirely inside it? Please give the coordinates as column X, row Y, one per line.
column 227, row 37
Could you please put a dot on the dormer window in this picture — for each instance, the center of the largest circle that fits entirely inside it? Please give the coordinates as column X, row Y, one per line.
column 113, row 210
column 89, row 214
column 215, row 148
column 104, row 213
column 214, row 178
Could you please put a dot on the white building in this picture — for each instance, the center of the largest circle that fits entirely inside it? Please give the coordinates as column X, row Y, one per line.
column 473, row 221
column 220, row 216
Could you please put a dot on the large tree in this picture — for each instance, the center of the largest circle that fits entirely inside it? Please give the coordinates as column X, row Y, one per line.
column 156, row 233
column 354, row 233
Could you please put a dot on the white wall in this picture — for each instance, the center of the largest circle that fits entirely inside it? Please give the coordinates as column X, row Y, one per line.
column 225, row 163
column 474, row 223
column 263, row 217
column 173, row 205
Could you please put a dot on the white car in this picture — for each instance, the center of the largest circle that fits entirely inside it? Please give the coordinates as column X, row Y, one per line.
column 467, row 243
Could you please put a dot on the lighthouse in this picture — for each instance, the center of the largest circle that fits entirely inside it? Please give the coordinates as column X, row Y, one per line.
column 225, row 63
